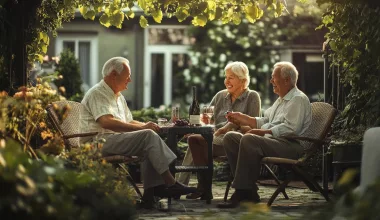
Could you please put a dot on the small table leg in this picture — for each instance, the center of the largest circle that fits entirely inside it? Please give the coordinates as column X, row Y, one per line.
column 210, row 164
column 172, row 144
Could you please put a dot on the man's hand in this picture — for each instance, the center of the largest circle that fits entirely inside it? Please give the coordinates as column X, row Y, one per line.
column 237, row 118
column 151, row 125
column 234, row 117
column 260, row 132
column 241, row 119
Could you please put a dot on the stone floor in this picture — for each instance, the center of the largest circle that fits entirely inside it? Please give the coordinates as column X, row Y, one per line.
column 301, row 201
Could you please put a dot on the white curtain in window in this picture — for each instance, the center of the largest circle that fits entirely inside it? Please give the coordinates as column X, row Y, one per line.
column 84, row 62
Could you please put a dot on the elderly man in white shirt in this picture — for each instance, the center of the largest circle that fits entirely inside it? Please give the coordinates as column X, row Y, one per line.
column 289, row 115
column 105, row 111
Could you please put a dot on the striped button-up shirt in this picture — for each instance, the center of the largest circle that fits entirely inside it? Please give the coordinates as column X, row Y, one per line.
column 101, row 100
column 288, row 115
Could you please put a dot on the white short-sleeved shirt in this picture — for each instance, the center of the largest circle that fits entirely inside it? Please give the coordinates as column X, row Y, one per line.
column 101, row 100
column 288, row 115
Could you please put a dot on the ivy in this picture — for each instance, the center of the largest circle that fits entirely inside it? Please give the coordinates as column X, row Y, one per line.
column 355, row 43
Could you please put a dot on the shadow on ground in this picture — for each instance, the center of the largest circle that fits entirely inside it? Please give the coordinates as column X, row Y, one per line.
column 300, row 201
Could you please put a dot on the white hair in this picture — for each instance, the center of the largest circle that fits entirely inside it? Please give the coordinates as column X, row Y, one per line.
column 240, row 70
column 115, row 63
column 288, row 70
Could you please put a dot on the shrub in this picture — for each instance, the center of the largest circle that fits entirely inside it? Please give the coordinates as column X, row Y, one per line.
column 68, row 67
column 150, row 114
column 24, row 113
column 46, row 189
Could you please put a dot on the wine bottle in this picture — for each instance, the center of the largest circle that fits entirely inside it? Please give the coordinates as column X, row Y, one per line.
column 194, row 110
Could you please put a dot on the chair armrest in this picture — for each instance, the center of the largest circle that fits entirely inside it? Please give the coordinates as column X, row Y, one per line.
column 120, row 159
column 300, row 138
column 80, row 135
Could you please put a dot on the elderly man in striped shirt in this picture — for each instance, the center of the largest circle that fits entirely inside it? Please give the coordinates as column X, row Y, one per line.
column 105, row 111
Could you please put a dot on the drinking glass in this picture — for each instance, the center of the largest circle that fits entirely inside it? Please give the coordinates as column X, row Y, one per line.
column 209, row 112
column 175, row 114
column 162, row 122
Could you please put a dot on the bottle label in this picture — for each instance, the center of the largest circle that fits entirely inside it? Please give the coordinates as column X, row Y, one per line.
column 195, row 119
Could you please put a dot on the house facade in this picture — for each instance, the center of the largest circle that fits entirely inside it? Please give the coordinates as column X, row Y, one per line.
column 156, row 52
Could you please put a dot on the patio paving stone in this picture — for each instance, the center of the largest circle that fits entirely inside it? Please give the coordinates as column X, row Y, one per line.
column 301, row 201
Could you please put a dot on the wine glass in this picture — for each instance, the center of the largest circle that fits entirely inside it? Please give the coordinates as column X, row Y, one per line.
column 209, row 111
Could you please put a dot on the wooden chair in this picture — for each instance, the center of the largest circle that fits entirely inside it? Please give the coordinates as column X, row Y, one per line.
column 68, row 128
column 264, row 168
column 323, row 115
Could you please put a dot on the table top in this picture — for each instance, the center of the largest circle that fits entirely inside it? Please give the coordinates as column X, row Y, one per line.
column 188, row 129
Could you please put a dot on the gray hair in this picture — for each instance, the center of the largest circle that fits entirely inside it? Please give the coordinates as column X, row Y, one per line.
column 115, row 63
column 240, row 70
column 288, row 70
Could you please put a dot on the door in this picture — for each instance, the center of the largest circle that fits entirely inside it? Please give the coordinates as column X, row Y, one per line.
column 165, row 58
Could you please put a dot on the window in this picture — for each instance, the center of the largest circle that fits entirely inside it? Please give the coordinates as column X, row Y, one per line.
column 85, row 49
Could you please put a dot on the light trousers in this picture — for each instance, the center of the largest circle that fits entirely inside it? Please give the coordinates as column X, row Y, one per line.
column 245, row 152
column 156, row 155
column 184, row 177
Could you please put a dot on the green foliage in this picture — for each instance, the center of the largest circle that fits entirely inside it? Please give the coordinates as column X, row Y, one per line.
column 114, row 12
column 218, row 43
column 41, row 18
column 354, row 39
column 353, row 204
column 24, row 113
column 45, row 189
column 49, row 16
column 150, row 114
column 68, row 67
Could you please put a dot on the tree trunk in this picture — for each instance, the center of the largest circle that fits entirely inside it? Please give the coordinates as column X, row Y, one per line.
column 20, row 14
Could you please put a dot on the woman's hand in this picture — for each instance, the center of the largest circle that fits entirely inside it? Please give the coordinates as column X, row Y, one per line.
column 244, row 129
column 220, row 131
column 205, row 119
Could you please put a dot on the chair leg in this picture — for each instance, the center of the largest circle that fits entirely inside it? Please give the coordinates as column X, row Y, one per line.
column 309, row 179
column 325, row 169
column 297, row 171
column 276, row 180
column 279, row 189
column 130, row 180
column 228, row 188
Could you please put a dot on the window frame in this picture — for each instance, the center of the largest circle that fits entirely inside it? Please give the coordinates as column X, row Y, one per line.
column 94, row 57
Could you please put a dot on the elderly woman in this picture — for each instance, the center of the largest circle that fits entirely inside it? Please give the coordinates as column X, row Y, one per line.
column 236, row 97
